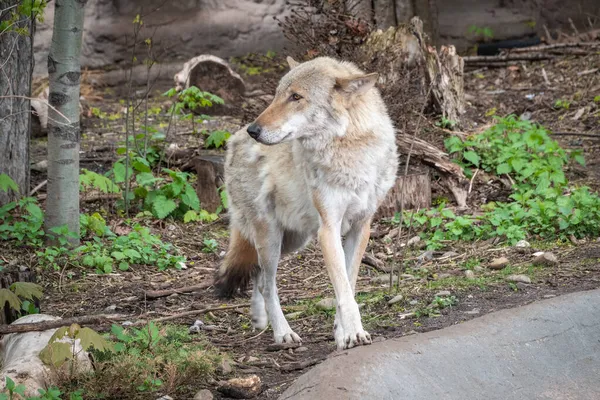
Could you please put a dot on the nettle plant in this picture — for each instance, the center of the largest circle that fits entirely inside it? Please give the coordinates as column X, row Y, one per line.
column 191, row 99
column 544, row 204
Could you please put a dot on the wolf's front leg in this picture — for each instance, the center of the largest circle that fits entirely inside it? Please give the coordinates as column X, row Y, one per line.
column 268, row 247
column 354, row 248
column 348, row 318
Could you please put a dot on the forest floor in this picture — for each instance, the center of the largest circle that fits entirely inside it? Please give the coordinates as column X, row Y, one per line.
column 520, row 89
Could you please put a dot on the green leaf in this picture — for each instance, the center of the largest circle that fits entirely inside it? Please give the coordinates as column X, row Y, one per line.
column 190, row 216
column 217, row 139
column 132, row 254
column 123, row 265
column 146, row 179
column 6, row 296
column 190, row 198
column 472, row 157
column 56, row 354
column 162, row 206
column 503, row 168
column 90, row 338
column 117, row 255
column 141, row 166
column 27, row 290
column 6, row 183
column 120, row 172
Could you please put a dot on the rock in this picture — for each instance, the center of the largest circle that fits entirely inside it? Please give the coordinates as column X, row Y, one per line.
column 110, row 308
column 522, row 246
column 294, row 315
column 242, row 388
column 443, row 293
column 443, row 275
column 251, row 359
column 413, row 240
column 414, row 302
column 203, row 394
column 384, row 278
column 41, row 166
column 301, row 349
column 469, row 274
column 426, row 256
column 395, row 299
column 326, row 304
column 407, row 277
column 478, row 268
column 225, row 366
column 196, row 327
column 499, row 263
column 165, row 397
column 546, row 259
column 21, row 356
column 518, row 278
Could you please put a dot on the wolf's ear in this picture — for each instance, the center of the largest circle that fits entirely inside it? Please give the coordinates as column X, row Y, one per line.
column 356, row 84
column 291, row 62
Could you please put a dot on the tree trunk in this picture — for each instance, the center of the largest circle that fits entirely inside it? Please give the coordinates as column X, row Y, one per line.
column 385, row 13
column 360, row 8
column 414, row 190
column 16, row 64
column 62, row 204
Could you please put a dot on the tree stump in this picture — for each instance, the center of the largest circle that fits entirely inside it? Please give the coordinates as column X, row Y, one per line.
column 414, row 190
column 212, row 74
column 7, row 278
column 210, row 171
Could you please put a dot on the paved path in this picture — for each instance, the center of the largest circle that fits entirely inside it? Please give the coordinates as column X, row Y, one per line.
column 546, row 350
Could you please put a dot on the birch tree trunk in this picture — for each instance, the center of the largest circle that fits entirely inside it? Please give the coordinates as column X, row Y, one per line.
column 16, row 63
column 62, row 205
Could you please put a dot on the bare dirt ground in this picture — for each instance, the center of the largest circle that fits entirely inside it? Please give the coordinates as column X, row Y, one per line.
column 302, row 279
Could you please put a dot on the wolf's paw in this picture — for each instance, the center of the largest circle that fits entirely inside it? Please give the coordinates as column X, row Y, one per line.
column 352, row 338
column 260, row 321
column 287, row 337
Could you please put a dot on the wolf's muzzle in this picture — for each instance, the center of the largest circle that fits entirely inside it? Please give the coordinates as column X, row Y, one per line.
column 254, row 130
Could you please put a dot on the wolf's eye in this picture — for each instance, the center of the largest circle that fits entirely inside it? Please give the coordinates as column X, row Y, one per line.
column 295, row 96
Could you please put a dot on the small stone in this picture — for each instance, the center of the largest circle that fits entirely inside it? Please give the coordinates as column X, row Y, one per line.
column 395, row 299
column 301, row 349
column 537, row 253
column 443, row 293
column 518, row 278
column 478, row 268
column 522, row 246
column 110, row 308
column 196, row 327
column 130, row 298
column 165, row 397
column 413, row 302
column 384, row 278
column 469, row 274
column 443, row 275
column 251, row 359
column 203, row 394
column 413, row 240
column 499, row 263
column 326, row 304
column 242, row 388
column 549, row 296
column 408, row 277
column 225, row 367
column 293, row 316
column 426, row 256
column 472, row 312
column 546, row 259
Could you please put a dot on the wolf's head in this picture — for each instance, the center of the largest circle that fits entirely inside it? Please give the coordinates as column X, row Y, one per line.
column 312, row 98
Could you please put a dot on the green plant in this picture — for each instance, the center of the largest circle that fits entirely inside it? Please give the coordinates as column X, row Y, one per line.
column 597, row 99
column 484, row 33
column 191, row 98
column 446, row 123
column 13, row 389
column 210, row 246
column 561, row 103
column 24, row 10
column 217, row 139
column 17, row 293
column 543, row 204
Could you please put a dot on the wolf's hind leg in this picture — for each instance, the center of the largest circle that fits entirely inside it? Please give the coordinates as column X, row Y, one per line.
column 268, row 246
column 257, row 305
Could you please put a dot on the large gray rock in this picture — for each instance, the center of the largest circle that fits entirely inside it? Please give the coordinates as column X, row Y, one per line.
column 180, row 29
column 546, row 350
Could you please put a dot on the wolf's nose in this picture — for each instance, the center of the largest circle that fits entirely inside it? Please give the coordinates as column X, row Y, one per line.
column 254, row 130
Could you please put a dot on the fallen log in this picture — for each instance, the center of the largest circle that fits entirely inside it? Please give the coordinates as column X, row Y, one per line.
column 52, row 324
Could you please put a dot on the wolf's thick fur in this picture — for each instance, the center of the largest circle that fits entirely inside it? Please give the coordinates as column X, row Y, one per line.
column 321, row 159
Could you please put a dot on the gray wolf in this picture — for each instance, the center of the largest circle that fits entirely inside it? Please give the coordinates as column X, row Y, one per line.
column 317, row 162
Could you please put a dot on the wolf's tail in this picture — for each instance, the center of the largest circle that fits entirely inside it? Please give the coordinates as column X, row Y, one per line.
column 239, row 266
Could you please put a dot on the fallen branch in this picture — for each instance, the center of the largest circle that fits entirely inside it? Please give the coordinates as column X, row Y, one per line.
column 155, row 294
column 190, row 313
column 282, row 346
column 375, row 263
column 45, row 325
column 506, row 57
column 546, row 47
column 295, row 366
